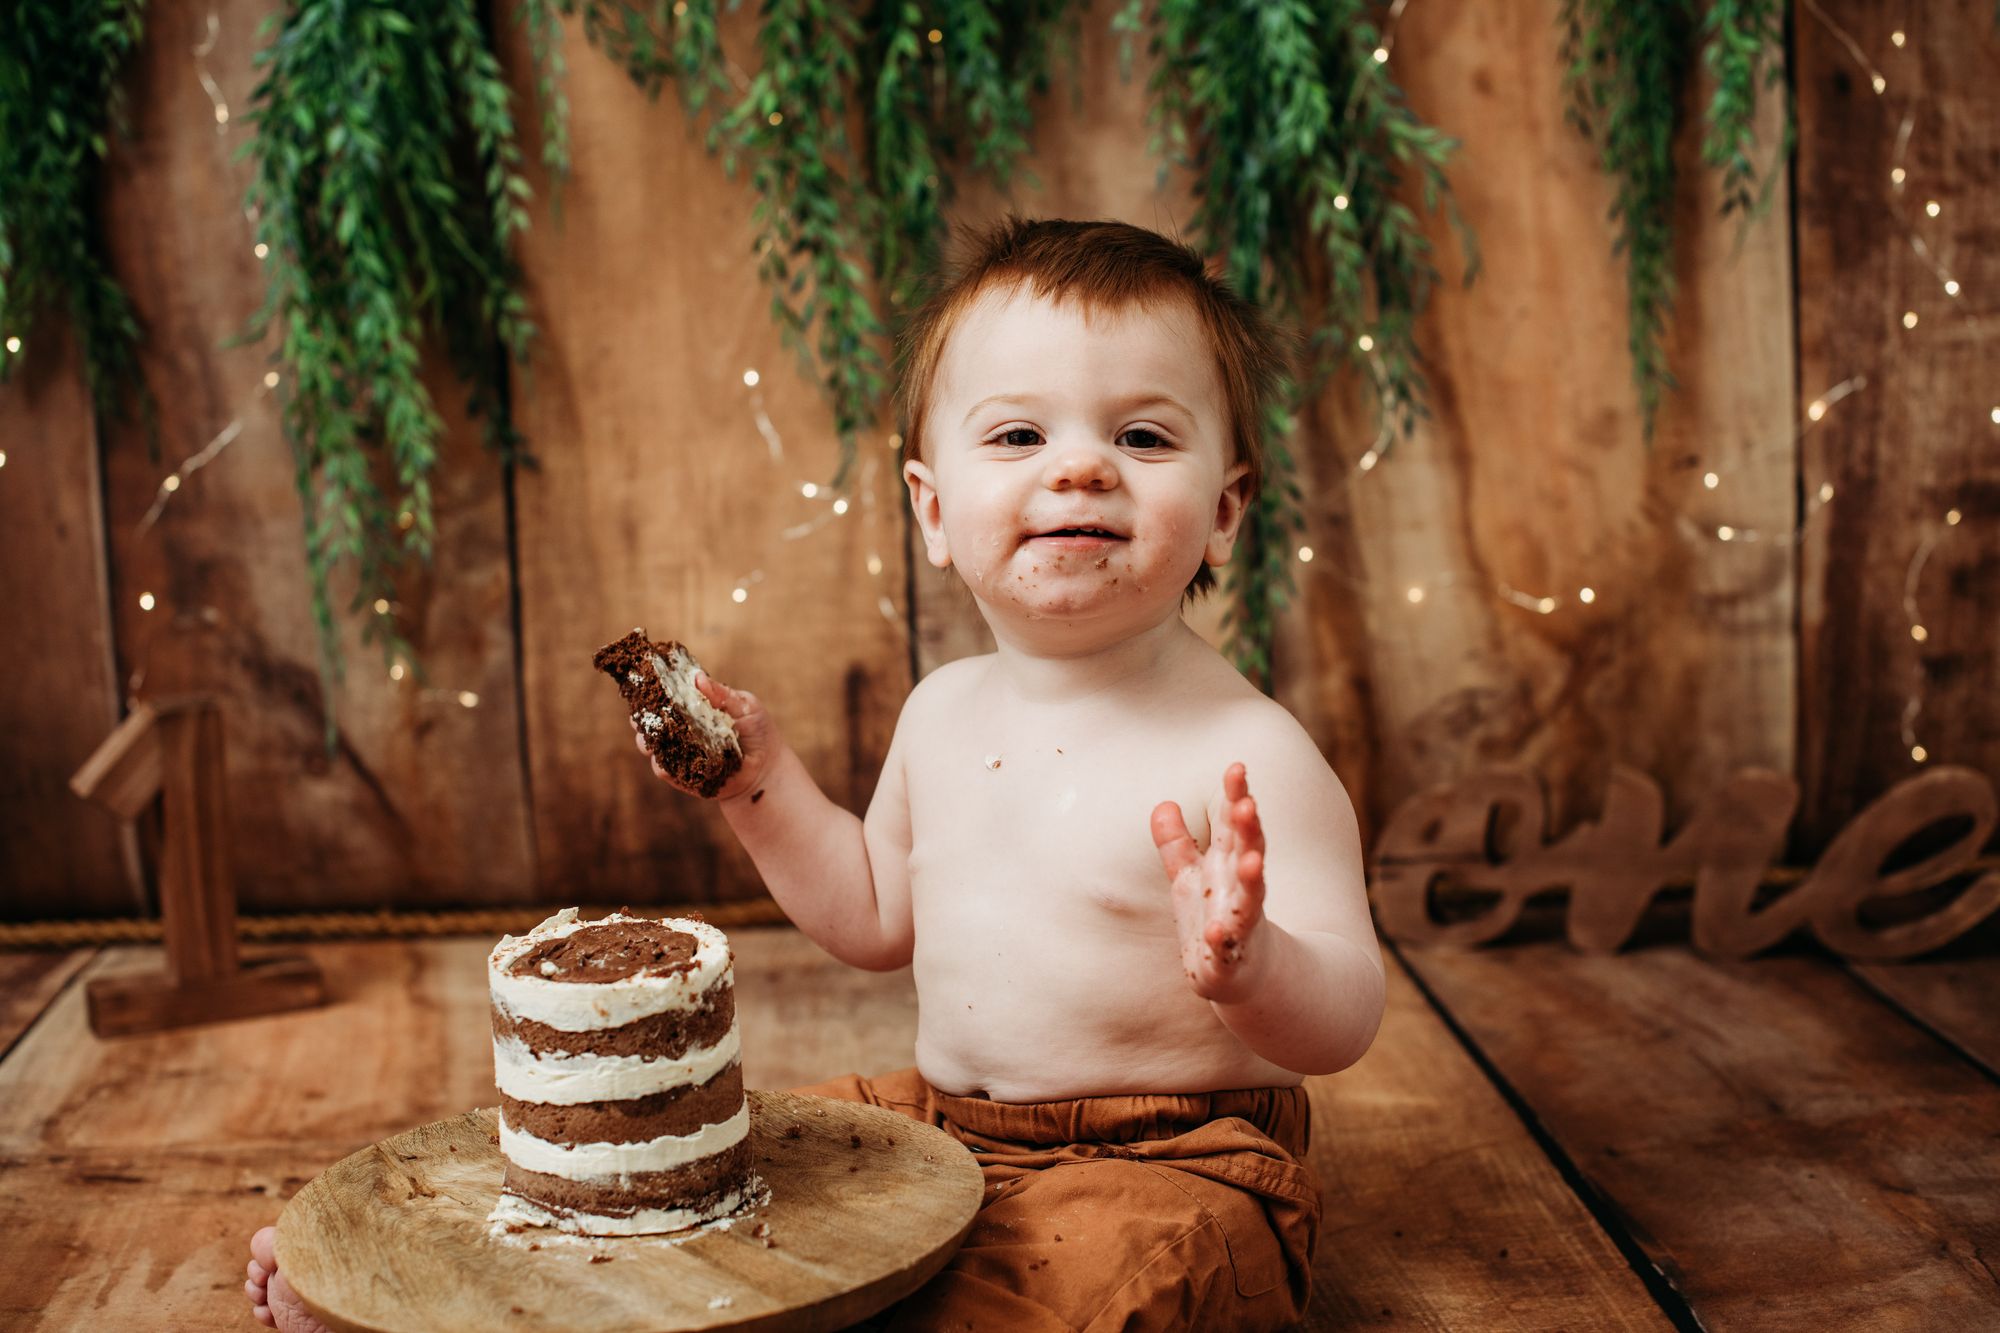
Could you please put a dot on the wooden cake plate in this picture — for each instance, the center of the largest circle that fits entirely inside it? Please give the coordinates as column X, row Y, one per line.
column 395, row 1237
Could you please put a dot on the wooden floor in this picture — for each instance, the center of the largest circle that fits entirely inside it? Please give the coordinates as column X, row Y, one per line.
column 1538, row 1139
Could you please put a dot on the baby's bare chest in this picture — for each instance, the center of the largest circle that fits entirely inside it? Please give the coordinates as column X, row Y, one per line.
column 1048, row 822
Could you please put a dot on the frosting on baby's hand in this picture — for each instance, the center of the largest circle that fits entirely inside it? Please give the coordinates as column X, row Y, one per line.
column 1219, row 893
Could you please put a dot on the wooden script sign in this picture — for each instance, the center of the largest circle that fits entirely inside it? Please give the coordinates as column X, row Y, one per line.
column 1613, row 868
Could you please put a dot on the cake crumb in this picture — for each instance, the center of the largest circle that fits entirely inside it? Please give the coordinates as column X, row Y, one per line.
column 854, row 1140
column 993, row 761
column 721, row 1303
column 794, row 1131
column 515, row 1309
column 548, row 967
column 600, row 1258
column 535, row 1245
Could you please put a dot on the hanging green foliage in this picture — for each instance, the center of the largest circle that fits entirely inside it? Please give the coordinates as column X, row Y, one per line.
column 387, row 191
column 59, row 93
column 1300, row 144
column 1629, row 67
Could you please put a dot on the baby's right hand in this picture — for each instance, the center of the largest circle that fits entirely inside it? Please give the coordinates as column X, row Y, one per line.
column 756, row 733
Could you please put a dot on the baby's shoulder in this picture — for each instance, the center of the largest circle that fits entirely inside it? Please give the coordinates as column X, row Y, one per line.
column 1259, row 731
column 943, row 688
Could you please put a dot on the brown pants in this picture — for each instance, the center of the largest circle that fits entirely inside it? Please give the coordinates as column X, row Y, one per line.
column 1191, row 1211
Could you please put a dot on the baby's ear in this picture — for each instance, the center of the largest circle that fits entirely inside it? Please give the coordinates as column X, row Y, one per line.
column 1229, row 508
column 930, row 517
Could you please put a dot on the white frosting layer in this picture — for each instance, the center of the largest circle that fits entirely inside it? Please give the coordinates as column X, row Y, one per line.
column 585, row 1006
column 676, row 676
column 609, row 1163
column 565, row 1079
column 512, row 1208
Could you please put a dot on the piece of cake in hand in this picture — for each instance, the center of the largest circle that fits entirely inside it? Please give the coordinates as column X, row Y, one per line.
column 694, row 741
column 621, row 1089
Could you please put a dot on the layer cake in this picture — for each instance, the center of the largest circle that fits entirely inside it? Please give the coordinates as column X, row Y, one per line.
column 621, row 1087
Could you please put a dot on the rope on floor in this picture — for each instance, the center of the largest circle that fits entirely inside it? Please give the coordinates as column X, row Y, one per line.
column 490, row 921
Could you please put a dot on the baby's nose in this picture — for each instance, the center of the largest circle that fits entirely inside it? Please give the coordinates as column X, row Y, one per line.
column 1076, row 465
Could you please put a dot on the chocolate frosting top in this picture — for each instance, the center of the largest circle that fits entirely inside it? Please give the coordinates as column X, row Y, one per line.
column 610, row 951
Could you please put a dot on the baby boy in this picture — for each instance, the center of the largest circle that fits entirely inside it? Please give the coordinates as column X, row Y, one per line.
column 1123, row 960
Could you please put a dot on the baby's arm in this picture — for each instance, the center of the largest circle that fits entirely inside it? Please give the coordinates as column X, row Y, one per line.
column 842, row 880
column 1289, row 961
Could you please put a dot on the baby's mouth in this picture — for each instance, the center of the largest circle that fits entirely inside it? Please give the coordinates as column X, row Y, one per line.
column 1077, row 536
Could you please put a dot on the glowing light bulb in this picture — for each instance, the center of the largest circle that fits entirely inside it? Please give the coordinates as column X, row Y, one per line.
column 776, row 118
column 221, row 114
column 1996, row 416
column 270, row 379
column 1726, row 532
column 1898, row 176
column 1931, row 207
column 1416, row 595
column 1381, row 55
column 1340, row 202
column 13, row 346
column 1880, row 84
column 840, row 505
column 1919, row 633
column 1369, row 460
column 739, row 595
column 467, row 699
column 874, row 563
column 1825, row 491
column 1710, row 480
column 750, row 378
column 396, row 671
column 936, row 36
column 1951, row 516
column 1365, row 343
column 172, row 483
column 1909, row 319
column 1951, row 286
column 406, row 520
column 3, row 458
column 1919, row 753
column 261, row 250
column 381, row 606
column 145, row 601
column 1817, row 409
column 1305, row 555
column 1897, row 37
column 1546, row 605
column 809, row 490
column 1586, row 594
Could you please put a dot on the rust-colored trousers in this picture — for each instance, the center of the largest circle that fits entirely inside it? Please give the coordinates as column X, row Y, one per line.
column 1191, row 1211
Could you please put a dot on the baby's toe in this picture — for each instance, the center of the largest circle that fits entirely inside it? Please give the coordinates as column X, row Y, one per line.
column 264, row 1249
column 288, row 1312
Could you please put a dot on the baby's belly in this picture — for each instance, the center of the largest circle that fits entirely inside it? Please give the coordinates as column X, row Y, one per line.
column 1027, row 1013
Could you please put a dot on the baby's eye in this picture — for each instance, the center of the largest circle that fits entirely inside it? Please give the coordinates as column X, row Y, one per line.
column 1150, row 440
column 1006, row 437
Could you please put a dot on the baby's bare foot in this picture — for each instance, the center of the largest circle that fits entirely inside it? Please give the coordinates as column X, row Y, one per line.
column 272, row 1300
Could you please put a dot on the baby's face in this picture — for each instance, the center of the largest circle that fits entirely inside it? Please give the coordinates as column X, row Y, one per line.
column 1076, row 472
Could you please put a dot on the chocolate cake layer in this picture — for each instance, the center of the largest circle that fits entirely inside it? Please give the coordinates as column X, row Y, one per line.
column 698, row 1185
column 666, row 1036
column 610, row 951
column 679, row 1111
column 698, row 759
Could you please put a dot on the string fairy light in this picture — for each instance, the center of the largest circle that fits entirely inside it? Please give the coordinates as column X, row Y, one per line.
column 1713, row 477
column 171, row 485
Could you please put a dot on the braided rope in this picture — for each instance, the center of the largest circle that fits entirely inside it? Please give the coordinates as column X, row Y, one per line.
column 384, row 924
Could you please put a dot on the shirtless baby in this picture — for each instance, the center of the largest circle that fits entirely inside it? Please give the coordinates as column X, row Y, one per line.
column 1125, row 963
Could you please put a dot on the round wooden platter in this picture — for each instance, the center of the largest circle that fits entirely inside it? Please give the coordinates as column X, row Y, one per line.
column 395, row 1237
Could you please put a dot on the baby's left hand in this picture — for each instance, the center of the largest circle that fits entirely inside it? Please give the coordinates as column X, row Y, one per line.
column 1218, row 894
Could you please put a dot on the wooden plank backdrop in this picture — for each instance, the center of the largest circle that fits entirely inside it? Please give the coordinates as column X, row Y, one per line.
column 667, row 483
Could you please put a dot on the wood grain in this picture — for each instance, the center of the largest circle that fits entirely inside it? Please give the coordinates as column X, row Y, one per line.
column 1748, row 1123
column 1533, row 473
column 29, row 982
column 1955, row 992
column 59, row 700
column 1918, row 440
column 865, row 1205
column 1441, row 1210
column 658, row 495
column 422, row 799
